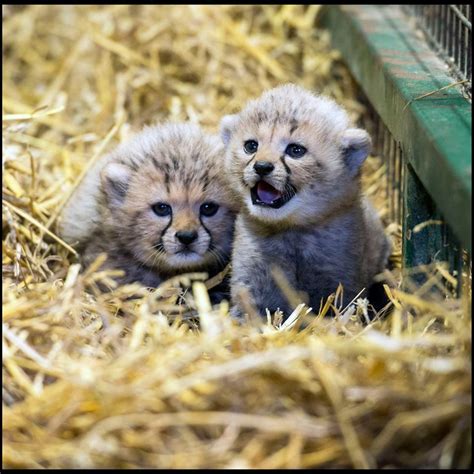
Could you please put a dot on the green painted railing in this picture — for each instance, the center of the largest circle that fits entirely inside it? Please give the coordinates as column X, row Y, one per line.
column 394, row 67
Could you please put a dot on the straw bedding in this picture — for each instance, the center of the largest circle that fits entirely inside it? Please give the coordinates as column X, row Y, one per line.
column 130, row 378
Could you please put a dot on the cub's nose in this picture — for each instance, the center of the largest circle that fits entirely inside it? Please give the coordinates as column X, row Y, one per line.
column 186, row 236
column 263, row 167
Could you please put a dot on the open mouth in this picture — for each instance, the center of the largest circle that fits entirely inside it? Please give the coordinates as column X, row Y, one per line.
column 264, row 194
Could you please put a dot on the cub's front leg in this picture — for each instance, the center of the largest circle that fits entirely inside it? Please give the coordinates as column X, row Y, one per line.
column 252, row 281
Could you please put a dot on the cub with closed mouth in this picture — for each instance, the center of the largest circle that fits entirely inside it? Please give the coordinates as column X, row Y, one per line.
column 294, row 163
column 158, row 205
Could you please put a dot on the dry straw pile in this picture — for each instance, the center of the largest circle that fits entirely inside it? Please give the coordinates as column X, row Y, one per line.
column 95, row 379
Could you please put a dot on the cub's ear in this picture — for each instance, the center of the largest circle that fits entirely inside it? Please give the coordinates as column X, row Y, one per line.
column 228, row 123
column 356, row 145
column 115, row 179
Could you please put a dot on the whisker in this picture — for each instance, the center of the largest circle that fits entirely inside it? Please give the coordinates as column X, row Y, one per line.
column 289, row 191
column 155, row 255
column 221, row 257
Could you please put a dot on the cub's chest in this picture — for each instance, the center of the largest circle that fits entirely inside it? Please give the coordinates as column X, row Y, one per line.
column 300, row 247
column 309, row 257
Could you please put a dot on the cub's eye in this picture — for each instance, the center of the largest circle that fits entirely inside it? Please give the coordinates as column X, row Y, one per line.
column 250, row 146
column 208, row 209
column 161, row 209
column 295, row 151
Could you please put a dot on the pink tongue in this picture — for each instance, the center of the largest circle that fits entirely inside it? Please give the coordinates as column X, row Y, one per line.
column 267, row 193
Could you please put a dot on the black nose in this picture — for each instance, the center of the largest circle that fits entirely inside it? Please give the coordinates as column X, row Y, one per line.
column 263, row 167
column 186, row 236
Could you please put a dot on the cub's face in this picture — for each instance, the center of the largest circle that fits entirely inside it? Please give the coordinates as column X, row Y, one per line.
column 169, row 203
column 291, row 156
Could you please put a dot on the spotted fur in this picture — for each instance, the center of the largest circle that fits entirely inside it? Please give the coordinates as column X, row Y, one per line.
column 327, row 232
column 112, row 210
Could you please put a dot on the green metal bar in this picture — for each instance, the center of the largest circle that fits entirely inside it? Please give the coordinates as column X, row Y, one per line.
column 423, row 244
column 426, row 239
column 394, row 67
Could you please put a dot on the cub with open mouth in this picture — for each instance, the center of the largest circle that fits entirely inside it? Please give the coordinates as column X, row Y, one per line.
column 294, row 163
column 158, row 205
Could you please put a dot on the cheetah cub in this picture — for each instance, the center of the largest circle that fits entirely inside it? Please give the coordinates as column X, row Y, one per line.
column 158, row 205
column 294, row 163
